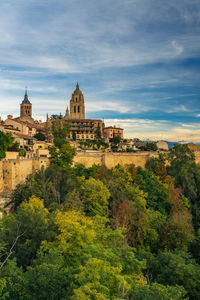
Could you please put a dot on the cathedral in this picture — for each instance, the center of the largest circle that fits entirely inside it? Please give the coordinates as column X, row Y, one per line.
column 83, row 129
column 80, row 127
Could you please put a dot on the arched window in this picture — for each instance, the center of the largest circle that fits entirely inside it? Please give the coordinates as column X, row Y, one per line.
column 79, row 109
column 74, row 108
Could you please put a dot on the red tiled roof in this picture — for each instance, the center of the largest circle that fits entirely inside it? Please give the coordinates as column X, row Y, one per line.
column 25, row 136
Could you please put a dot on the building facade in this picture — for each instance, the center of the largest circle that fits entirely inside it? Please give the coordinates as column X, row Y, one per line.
column 81, row 128
column 110, row 132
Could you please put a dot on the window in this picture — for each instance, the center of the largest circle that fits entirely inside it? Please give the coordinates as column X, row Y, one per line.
column 79, row 109
column 74, row 108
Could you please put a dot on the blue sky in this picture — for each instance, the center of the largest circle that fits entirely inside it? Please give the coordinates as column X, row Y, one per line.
column 136, row 61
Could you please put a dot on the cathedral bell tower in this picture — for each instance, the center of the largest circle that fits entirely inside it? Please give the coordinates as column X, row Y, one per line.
column 77, row 106
column 26, row 107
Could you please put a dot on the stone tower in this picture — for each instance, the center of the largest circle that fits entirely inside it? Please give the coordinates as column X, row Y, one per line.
column 77, row 106
column 26, row 107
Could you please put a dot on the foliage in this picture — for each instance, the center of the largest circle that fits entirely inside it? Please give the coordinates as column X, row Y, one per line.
column 62, row 156
column 157, row 192
column 74, row 136
column 175, row 268
column 158, row 291
column 60, row 130
column 98, row 133
column 93, row 233
column 103, row 279
column 6, row 141
column 40, row 136
column 31, row 223
column 22, row 152
column 150, row 147
column 95, row 195
column 187, row 177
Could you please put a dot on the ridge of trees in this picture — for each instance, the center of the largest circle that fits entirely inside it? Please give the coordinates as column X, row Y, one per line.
column 94, row 233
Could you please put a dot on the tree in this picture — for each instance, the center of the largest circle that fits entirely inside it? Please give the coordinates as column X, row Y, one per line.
column 187, row 176
column 6, row 141
column 40, row 136
column 150, row 147
column 178, row 231
column 157, row 192
column 100, row 278
column 98, row 133
column 62, row 153
column 31, row 222
column 175, row 268
column 63, row 156
column 74, row 136
column 94, row 195
column 159, row 291
column 22, row 152
column 60, row 130
column 157, row 165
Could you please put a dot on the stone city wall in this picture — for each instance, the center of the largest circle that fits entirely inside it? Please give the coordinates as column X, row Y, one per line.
column 14, row 171
column 110, row 160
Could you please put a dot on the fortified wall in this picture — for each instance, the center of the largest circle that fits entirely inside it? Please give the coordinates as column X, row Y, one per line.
column 14, row 171
column 110, row 159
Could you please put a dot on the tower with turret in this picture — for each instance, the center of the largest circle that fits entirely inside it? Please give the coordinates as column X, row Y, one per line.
column 26, row 107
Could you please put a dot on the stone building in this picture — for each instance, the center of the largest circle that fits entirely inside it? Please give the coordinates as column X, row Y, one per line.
column 110, row 132
column 83, row 129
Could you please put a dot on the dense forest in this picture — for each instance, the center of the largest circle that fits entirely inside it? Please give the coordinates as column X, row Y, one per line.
column 92, row 233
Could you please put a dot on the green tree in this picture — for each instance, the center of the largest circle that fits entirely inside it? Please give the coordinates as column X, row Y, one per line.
column 62, row 153
column 94, row 195
column 22, row 152
column 74, row 136
column 158, row 291
column 60, row 130
column 63, row 156
column 150, row 147
column 31, row 224
column 175, row 268
column 187, row 177
column 157, row 165
column 6, row 141
column 40, row 136
column 99, row 279
column 157, row 192
column 98, row 133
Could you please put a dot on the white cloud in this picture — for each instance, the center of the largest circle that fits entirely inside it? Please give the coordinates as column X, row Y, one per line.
column 157, row 130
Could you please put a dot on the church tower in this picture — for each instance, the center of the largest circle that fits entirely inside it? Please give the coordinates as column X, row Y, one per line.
column 77, row 106
column 26, row 107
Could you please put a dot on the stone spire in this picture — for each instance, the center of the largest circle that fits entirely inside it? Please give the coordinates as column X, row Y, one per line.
column 26, row 108
column 26, row 100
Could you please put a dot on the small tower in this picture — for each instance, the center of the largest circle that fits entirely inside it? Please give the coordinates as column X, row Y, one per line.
column 77, row 106
column 26, row 107
column 67, row 116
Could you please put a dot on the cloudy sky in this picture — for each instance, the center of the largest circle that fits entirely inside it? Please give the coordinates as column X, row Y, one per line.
column 136, row 61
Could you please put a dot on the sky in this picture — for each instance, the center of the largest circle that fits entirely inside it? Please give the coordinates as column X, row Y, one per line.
column 137, row 62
